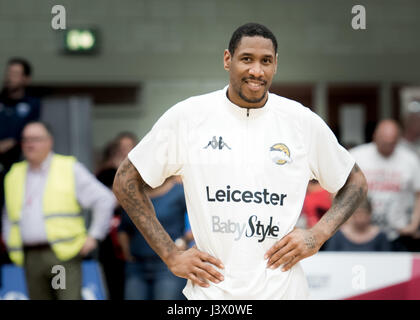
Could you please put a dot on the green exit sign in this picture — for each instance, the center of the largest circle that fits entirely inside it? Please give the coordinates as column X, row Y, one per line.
column 81, row 41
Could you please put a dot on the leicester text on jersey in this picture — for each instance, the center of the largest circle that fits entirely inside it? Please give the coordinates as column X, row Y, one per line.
column 246, row 196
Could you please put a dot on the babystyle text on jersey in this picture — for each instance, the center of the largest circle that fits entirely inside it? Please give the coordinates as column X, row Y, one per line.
column 254, row 227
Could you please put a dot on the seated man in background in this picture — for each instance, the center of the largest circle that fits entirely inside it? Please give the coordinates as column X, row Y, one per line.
column 393, row 175
column 359, row 234
column 43, row 222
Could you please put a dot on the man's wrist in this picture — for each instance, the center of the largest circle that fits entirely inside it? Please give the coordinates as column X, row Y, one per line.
column 171, row 256
column 320, row 234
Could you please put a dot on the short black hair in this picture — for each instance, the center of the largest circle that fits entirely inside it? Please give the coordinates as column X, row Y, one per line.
column 251, row 30
column 27, row 68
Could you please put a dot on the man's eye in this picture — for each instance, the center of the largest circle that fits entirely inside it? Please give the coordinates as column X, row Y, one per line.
column 246, row 59
column 266, row 61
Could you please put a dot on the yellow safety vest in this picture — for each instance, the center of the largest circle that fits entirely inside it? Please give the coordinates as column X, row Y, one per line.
column 64, row 223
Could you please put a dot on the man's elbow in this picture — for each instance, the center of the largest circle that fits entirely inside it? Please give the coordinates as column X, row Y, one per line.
column 116, row 185
column 362, row 182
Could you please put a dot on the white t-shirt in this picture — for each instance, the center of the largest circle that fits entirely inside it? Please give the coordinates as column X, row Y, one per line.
column 245, row 176
column 392, row 184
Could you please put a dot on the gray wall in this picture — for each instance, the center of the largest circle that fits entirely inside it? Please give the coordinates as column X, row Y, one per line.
column 174, row 48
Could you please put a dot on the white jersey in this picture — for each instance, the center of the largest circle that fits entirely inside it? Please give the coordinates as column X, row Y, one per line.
column 392, row 184
column 245, row 174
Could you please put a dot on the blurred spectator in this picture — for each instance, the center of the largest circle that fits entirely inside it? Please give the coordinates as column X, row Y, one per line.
column 359, row 234
column 44, row 225
column 16, row 109
column 110, row 253
column 317, row 202
column 411, row 134
column 147, row 276
column 393, row 175
column 115, row 152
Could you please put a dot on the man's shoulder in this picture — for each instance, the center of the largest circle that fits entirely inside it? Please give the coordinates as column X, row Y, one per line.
column 407, row 154
column 363, row 148
column 200, row 101
column 194, row 105
column 280, row 102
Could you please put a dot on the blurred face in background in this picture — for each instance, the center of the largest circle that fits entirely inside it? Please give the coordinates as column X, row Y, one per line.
column 15, row 78
column 386, row 137
column 37, row 143
column 125, row 146
column 361, row 219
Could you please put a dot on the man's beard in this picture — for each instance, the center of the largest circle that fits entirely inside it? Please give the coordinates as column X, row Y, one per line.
column 256, row 100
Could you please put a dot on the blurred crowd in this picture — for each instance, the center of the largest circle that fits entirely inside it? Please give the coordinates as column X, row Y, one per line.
column 389, row 220
column 43, row 195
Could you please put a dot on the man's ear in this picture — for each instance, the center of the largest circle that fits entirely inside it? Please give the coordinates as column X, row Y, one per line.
column 275, row 63
column 227, row 58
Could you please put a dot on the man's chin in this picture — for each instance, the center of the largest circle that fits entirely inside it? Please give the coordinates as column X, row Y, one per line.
column 249, row 99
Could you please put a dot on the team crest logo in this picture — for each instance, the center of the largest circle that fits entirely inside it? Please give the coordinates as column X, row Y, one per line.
column 280, row 154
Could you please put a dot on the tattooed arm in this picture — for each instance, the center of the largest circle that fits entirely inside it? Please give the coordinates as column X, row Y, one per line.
column 300, row 244
column 129, row 188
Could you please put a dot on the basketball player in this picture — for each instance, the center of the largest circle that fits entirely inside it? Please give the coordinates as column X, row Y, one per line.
column 245, row 156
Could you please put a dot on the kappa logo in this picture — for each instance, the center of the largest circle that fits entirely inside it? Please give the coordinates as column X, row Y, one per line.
column 280, row 154
column 217, row 144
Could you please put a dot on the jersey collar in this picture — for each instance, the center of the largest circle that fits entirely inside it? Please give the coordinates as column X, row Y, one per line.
column 242, row 112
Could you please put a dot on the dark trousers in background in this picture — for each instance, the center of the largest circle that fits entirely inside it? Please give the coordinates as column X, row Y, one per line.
column 150, row 279
column 39, row 261
column 114, row 269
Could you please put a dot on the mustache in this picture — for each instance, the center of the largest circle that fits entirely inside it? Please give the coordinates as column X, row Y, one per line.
column 255, row 79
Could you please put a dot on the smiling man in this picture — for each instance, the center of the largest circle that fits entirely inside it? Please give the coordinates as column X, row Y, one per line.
column 245, row 156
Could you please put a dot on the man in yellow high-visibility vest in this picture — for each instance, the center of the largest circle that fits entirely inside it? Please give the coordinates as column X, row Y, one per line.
column 43, row 223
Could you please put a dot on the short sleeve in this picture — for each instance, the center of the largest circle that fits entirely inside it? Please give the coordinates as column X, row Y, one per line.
column 329, row 162
column 158, row 156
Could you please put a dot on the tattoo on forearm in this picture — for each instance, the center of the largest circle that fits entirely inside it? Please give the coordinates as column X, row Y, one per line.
column 310, row 242
column 129, row 189
column 345, row 203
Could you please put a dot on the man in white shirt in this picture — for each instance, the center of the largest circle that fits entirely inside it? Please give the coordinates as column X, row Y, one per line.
column 393, row 175
column 245, row 157
column 42, row 218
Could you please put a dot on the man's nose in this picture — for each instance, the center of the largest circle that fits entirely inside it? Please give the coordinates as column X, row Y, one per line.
column 256, row 70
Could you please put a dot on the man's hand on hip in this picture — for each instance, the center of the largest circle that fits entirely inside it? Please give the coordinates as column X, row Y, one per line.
column 194, row 265
column 90, row 245
column 295, row 246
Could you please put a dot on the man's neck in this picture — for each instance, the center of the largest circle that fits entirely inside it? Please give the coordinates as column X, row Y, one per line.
column 242, row 104
column 39, row 164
